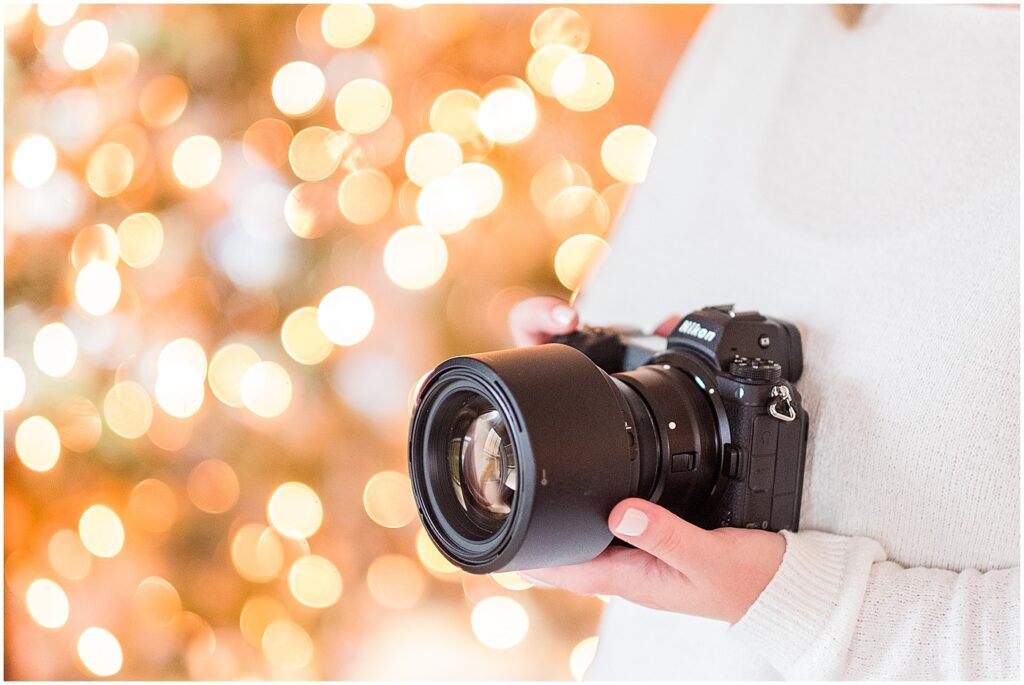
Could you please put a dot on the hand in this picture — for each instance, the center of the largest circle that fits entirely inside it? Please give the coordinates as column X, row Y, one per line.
column 676, row 565
column 536, row 319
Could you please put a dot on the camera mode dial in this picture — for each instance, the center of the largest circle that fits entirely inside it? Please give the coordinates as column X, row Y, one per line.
column 756, row 369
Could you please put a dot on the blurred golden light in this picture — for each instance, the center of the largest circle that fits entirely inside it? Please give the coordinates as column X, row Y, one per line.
column 163, row 100
column 362, row 105
column 364, row 196
column 266, row 142
column 430, row 156
column 499, row 622
column 55, row 349
column 266, row 389
column 582, row 83
column 554, row 177
column 79, row 425
column 345, row 315
column 578, row 209
column 540, row 70
column 454, row 113
column 512, row 581
column 415, row 257
column 55, row 12
column 183, row 357
column 101, row 531
column 12, row 388
column 97, row 242
column 507, row 115
column 47, row 604
column 286, row 645
column 100, row 651
column 309, row 209
column 626, row 153
column 346, row 25
column 445, row 206
column 117, row 68
column 388, row 499
column 258, row 613
column 140, row 238
column 560, row 25
column 37, row 443
column 110, row 169
column 128, row 409
column 295, row 511
column 582, row 656
column 152, row 506
column 157, row 601
column 256, row 553
column 615, row 197
column 34, row 161
column 15, row 12
column 227, row 368
column 97, row 288
column 577, row 256
column 85, row 44
column 169, row 433
column 482, row 185
column 196, row 161
column 213, row 486
column 432, row 559
column 298, row 88
column 314, row 581
column 395, row 581
column 181, row 370
column 315, row 152
column 68, row 556
column 302, row 338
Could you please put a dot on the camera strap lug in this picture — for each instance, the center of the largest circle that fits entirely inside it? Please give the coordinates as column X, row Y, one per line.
column 781, row 406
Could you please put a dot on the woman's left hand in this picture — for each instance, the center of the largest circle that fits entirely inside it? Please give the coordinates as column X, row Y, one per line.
column 676, row 565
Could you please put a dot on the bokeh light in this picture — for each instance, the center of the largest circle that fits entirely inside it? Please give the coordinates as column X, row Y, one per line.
column 98, row 288
column 314, row 152
column 500, row 622
column 97, row 242
column 257, row 553
column 362, row 105
column 55, row 12
column 396, row 581
column 626, row 153
column 163, row 100
column 295, row 511
column 507, row 115
column 582, row 82
column 37, row 443
column 68, row 556
column 314, row 581
column 298, row 88
column 196, row 161
column 227, row 368
column 560, row 26
column 577, row 257
column 152, row 506
column 430, row 156
column 454, row 113
column 13, row 381
column 85, row 44
column 47, row 603
column 55, row 349
column 110, row 169
column 213, row 486
column 364, row 196
column 346, row 25
column 100, row 651
column 157, row 601
column 287, row 645
column 140, row 238
column 34, row 161
column 128, row 409
column 540, row 70
column 302, row 338
column 415, row 257
column 345, row 315
column 101, row 531
column 266, row 389
column 78, row 424
column 388, row 500
column 581, row 657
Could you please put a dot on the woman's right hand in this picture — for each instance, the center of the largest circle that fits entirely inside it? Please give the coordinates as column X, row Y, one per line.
column 537, row 319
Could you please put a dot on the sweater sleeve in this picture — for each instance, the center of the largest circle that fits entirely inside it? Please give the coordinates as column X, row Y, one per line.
column 837, row 608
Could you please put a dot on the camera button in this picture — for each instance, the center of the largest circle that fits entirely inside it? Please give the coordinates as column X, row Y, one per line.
column 766, row 436
column 684, row 461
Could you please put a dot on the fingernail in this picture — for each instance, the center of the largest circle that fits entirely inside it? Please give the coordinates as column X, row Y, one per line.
column 563, row 315
column 634, row 522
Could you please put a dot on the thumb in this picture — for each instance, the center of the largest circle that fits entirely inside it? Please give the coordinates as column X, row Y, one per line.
column 662, row 534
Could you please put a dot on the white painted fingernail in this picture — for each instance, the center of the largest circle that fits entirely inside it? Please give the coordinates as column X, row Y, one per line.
column 563, row 315
column 634, row 522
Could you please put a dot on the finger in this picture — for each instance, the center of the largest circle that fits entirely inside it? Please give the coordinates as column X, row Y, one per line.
column 680, row 544
column 534, row 320
column 666, row 327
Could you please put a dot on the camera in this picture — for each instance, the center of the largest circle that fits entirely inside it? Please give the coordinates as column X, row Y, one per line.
column 517, row 457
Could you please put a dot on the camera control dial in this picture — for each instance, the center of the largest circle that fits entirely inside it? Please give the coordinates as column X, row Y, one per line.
column 756, row 369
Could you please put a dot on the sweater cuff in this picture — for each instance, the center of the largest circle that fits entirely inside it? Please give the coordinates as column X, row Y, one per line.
column 810, row 607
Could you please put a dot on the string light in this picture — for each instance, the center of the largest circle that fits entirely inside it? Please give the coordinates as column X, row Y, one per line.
column 55, row 349
column 34, row 161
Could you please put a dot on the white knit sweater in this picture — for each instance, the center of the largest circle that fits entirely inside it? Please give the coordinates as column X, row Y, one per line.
column 864, row 184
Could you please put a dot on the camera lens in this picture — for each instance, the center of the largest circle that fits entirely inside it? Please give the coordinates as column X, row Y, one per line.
column 517, row 457
column 482, row 463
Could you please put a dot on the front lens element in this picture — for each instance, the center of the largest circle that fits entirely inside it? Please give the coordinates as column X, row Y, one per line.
column 482, row 463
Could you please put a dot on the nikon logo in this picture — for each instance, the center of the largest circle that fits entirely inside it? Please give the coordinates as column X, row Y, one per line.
column 694, row 329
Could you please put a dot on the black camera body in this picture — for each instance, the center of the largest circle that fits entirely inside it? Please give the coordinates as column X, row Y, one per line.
column 518, row 456
column 746, row 364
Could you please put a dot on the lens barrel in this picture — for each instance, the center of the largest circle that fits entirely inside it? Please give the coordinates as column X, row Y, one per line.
column 518, row 456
